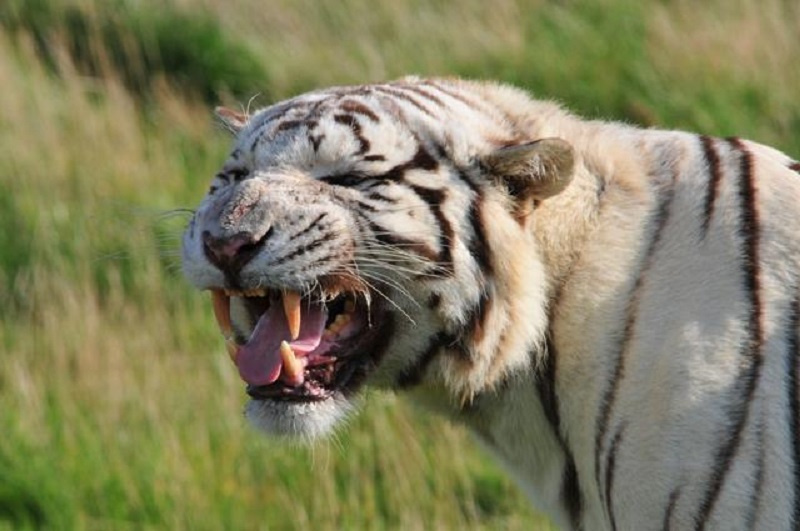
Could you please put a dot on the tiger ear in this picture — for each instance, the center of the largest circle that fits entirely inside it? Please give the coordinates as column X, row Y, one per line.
column 232, row 120
column 533, row 171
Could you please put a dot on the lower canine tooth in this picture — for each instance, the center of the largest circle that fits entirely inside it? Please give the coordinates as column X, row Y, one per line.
column 292, row 367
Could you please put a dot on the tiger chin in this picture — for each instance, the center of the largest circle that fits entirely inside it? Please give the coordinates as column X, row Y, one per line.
column 613, row 312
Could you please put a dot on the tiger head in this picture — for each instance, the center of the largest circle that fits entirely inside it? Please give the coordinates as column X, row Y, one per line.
column 376, row 235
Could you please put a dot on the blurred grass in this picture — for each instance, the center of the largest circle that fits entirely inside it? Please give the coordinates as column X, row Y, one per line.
column 118, row 407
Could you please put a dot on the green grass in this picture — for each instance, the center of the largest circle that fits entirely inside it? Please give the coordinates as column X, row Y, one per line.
column 118, row 406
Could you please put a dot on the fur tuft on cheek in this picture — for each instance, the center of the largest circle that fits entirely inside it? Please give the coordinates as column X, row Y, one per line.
column 510, row 322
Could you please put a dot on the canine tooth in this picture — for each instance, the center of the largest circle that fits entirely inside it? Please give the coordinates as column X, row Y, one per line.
column 233, row 349
column 291, row 306
column 292, row 367
column 222, row 311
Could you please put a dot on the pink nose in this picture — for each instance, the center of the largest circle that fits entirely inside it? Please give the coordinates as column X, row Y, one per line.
column 230, row 253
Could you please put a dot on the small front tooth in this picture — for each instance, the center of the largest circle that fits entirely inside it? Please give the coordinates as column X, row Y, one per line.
column 222, row 311
column 291, row 307
column 233, row 349
column 292, row 367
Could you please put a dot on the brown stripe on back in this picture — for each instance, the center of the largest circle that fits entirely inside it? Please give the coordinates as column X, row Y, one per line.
column 793, row 381
column 659, row 219
column 752, row 348
column 713, row 163
column 795, row 166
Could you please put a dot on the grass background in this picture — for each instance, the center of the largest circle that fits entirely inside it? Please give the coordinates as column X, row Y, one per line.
column 118, row 407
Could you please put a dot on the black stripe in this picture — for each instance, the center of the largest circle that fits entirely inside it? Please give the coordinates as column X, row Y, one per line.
column 793, row 370
column 571, row 491
column 412, row 376
column 399, row 94
column 378, row 196
column 305, row 249
column 422, row 160
column 713, row 164
column 795, row 166
column 472, row 103
column 389, row 238
column 346, row 180
column 546, row 387
column 350, row 121
column 435, row 198
column 355, row 107
column 310, row 226
column 751, row 350
column 422, row 92
column 476, row 317
column 659, row 220
column 755, row 501
column 479, row 247
column 611, row 468
column 673, row 500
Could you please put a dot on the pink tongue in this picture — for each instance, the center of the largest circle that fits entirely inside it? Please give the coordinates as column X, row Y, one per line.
column 259, row 361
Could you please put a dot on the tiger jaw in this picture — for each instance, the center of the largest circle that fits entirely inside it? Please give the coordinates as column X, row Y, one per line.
column 302, row 349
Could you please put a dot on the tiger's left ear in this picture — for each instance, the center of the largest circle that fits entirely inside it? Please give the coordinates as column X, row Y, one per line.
column 232, row 120
column 533, row 171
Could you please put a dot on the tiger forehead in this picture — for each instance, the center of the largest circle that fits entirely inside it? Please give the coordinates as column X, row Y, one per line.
column 358, row 128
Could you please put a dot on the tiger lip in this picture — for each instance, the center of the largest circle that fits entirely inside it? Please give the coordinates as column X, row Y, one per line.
column 292, row 365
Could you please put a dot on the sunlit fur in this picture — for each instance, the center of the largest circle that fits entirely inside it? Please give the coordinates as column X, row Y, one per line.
column 627, row 348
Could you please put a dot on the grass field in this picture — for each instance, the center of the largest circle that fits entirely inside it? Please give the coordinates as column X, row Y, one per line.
column 118, row 406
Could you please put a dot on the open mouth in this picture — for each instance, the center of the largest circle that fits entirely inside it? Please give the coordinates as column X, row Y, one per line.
column 301, row 348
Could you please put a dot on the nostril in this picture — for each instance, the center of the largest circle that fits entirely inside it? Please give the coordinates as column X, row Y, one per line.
column 233, row 252
column 225, row 248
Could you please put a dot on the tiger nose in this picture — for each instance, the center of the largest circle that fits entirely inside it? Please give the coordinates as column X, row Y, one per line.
column 231, row 253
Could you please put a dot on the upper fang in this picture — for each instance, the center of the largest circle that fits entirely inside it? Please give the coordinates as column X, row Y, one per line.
column 291, row 307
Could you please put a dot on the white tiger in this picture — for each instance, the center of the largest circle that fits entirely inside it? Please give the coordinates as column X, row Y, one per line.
column 614, row 312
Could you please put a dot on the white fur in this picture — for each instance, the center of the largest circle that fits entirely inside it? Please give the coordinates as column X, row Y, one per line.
column 581, row 268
